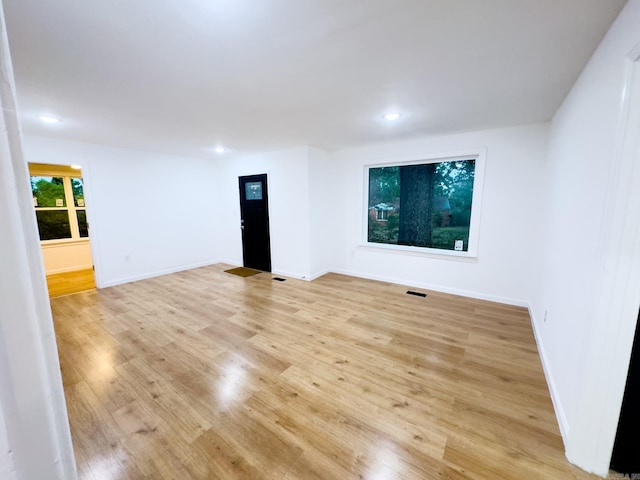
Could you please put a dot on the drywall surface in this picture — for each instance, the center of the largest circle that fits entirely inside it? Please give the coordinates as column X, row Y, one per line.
column 581, row 177
column 35, row 442
column 149, row 213
column 509, row 222
column 288, row 181
column 7, row 468
column 66, row 257
column 324, row 212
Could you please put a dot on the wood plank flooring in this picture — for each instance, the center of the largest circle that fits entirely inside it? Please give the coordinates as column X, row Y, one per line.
column 206, row 375
column 70, row 282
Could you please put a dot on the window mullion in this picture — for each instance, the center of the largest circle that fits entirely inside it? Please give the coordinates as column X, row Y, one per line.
column 71, row 204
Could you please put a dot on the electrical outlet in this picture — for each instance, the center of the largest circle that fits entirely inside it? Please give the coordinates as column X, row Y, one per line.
column 127, row 258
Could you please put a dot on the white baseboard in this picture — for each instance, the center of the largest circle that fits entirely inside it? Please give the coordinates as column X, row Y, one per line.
column 553, row 390
column 157, row 273
column 435, row 288
column 284, row 273
column 232, row 263
column 318, row 274
column 71, row 269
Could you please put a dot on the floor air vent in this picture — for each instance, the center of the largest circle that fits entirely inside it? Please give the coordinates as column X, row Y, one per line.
column 417, row 294
column 278, row 279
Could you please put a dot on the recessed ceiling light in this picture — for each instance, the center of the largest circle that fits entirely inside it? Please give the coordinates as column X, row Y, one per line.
column 220, row 149
column 392, row 116
column 49, row 119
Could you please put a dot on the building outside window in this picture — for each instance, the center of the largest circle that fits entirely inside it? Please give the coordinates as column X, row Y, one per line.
column 424, row 205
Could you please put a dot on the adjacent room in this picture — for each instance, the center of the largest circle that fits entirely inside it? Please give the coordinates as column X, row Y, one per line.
column 319, row 239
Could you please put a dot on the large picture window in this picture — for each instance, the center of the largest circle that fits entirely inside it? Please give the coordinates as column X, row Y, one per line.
column 60, row 207
column 428, row 204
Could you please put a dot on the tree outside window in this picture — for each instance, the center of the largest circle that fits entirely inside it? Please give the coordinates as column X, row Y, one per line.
column 60, row 207
column 423, row 205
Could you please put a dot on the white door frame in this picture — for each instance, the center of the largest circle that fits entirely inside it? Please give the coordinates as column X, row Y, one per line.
column 610, row 336
column 34, row 426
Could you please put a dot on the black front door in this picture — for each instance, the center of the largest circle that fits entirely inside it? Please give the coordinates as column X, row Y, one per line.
column 626, row 451
column 254, row 220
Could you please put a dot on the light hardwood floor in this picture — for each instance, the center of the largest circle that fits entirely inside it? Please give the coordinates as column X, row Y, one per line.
column 70, row 282
column 206, row 375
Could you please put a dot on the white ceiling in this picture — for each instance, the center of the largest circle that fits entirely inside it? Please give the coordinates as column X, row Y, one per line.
column 257, row 75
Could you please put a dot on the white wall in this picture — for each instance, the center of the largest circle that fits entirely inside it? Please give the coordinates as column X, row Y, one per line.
column 582, row 177
column 66, row 257
column 33, row 416
column 152, row 213
column 7, row 468
column 325, row 213
column 288, row 181
column 149, row 213
column 509, row 223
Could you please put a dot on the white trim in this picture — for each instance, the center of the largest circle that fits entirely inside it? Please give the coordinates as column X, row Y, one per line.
column 398, row 281
column 64, row 242
column 634, row 53
column 231, row 263
column 611, row 333
column 94, row 238
column 158, row 273
column 51, row 209
column 611, row 327
column 283, row 273
column 479, row 154
column 419, row 252
column 436, row 288
column 69, row 269
column 319, row 274
column 429, row 157
column 563, row 423
column 32, row 398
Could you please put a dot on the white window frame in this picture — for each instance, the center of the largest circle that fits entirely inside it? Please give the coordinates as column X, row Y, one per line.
column 71, row 209
column 479, row 155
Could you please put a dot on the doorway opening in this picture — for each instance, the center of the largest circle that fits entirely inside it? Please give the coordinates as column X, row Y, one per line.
column 61, row 213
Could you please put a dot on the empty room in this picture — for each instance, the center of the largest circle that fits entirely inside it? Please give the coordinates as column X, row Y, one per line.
column 319, row 239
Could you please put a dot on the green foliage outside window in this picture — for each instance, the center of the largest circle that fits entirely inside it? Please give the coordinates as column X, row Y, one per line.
column 46, row 190
column 78, row 191
column 59, row 217
column 426, row 205
column 53, row 224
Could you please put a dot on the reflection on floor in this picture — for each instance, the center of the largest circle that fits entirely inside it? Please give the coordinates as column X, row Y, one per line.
column 70, row 282
column 205, row 375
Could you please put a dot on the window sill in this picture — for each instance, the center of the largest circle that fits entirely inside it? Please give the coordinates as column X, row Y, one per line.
column 64, row 242
column 421, row 252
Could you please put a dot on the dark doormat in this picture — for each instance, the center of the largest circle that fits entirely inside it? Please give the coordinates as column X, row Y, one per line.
column 243, row 272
